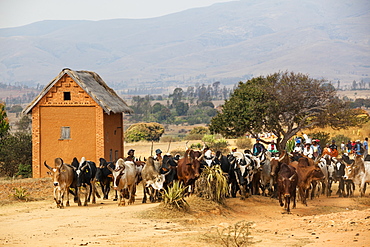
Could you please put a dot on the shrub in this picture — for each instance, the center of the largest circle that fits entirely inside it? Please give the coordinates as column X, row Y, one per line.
column 144, row 131
column 341, row 138
column 324, row 137
column 174, row 197
column 200, row 130
column 20, row 194
column 213, row 143
column 290, row 145
column 196, row 146
column 24, row 170
column 15, row 149
column 191, row 137
column 212, row 184
column 236, row 235
column 243, row 143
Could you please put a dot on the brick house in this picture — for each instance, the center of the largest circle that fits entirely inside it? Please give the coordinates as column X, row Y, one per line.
column 76, row 115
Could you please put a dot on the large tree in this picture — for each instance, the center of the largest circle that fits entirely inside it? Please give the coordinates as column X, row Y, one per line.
column 283, row 103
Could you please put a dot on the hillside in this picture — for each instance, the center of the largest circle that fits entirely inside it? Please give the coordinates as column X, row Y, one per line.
column 228, row 42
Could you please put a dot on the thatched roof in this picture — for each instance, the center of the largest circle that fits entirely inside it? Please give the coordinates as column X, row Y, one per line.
column 94, row 86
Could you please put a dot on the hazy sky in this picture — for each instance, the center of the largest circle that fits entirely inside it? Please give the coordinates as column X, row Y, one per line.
column 21, row 12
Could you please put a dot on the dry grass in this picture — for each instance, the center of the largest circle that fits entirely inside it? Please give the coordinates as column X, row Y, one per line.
column 353, row 133
column 37, row 189
column 198, row 208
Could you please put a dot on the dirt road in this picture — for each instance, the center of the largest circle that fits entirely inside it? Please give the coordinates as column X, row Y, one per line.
column 324, row 222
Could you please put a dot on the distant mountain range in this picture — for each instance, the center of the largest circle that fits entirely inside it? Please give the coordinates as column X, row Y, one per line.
column 225, row 42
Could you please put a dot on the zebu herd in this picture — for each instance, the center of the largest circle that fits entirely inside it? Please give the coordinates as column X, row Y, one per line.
column 278, row 177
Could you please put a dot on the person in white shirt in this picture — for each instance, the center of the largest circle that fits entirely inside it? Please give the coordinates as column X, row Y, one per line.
column 308, row 150
column 298, row 147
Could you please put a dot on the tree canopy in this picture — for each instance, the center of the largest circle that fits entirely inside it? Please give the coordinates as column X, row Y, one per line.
column 144, row 131
column 283, row 103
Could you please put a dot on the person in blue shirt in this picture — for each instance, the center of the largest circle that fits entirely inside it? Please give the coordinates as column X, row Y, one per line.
column 358, row 148
column 258, row 147
column 366, row 147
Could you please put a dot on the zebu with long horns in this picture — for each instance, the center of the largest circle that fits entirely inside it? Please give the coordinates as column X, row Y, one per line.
column 124, row 180
column 243, row 172
column 64, row 177
column 86, row 172
column 152, row 180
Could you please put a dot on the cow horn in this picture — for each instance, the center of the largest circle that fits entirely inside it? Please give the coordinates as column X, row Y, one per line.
column 74, row 168
column 169, row 170
column 84, row 166
column 51, row 169
column 291, row 178
column 109, row 168
column 282, row 157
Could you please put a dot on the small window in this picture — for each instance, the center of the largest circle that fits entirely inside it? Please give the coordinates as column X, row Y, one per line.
column 67, row 95
column 110, row 154
column 65, row 133
column 116, row 155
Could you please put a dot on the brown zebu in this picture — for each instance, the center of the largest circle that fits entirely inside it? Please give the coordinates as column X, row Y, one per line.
column 188, row 168
column 64, row 177
column 287, row 184
column 307, row 171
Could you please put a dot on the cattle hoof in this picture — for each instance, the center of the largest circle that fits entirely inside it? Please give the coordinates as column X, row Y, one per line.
column 67, row 204
column 115, row 199
column 281, row 204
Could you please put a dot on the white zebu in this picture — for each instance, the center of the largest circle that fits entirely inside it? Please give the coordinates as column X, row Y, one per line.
column 359, row 173
column 124, row 180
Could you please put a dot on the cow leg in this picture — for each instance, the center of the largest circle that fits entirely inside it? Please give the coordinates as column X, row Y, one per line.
column 61, row 197
column 306, row 194
column 122, row 201
column 313, row 191
column 94, row 192
column 56, row 196
column 152, row 194
column 294, row 197
column 330, row 184
column 67, row 195
column 87, row 194
column 132, row 190
column 79, row 193
column 302, row 195
column 233, row 189
column 340, row 187
column 280, row 199
column 287, row 203
column 362, row 188
column 106, row 189
column 144, row 193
